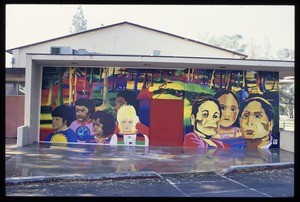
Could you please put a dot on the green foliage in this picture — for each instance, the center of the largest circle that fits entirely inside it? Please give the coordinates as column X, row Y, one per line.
column 253, row 49
column 256, row 50
column 59, row 91
column 232, row 43
column 285, row 54
column 286, row 99
column 79, row 22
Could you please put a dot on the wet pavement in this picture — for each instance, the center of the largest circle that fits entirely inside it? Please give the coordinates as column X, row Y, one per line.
column 52, row 160
column 45, row 169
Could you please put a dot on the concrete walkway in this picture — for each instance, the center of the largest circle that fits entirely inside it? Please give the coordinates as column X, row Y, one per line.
column 43, row 160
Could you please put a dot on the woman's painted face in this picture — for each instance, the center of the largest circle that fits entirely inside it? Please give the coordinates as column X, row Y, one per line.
column 230, row 110
column 119, row 102
column 207, row 119
column 254, row 122
column 126, row 125
column 57, row 123
column 97, row 127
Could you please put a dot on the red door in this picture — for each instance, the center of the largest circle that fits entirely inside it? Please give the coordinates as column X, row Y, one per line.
column 166, row 122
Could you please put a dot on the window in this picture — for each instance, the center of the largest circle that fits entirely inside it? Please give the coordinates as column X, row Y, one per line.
column 15, row 88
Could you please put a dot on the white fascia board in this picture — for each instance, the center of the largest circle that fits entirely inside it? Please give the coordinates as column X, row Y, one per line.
column 163, row 62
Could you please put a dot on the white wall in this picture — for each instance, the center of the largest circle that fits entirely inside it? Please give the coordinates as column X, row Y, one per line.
column 143, row 41
column 33, row 82
column 287, row 141
column 125, row 39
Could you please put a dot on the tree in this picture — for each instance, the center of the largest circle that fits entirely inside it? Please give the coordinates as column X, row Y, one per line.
column 286, row 97
column 79, row 22
column 285, row 54
column 60, row 100
column 232, row 43
column 105, row 103
column 212, row 80
column 253, row 49
column 259, row 51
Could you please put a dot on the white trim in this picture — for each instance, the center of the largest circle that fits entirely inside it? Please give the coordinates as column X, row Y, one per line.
column 285, row 68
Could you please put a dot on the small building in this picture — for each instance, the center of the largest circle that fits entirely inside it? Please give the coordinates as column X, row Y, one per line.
column 14, row 96
column 170, row 76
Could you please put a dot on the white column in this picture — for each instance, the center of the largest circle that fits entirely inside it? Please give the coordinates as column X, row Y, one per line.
column 29, row 133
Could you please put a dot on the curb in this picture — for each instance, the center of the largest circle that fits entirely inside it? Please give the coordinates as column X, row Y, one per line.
column 256, row 167
column 77, row 177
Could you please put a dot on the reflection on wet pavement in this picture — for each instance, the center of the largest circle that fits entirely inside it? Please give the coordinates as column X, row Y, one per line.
column 46, row 159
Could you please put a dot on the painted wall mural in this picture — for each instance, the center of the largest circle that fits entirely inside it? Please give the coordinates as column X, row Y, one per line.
column 112, row 106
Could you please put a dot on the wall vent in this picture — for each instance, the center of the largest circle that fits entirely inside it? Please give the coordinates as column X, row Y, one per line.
column 61, row 50
column 156, row 52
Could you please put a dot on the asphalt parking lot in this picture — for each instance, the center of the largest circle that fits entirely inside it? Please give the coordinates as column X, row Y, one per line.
column 261, row 184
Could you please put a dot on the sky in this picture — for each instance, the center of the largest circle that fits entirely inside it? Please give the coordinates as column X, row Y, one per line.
column 26, row 24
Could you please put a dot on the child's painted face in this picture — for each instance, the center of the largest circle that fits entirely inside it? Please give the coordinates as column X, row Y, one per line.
column 230, row 110
column 97, row 127
column 126, row 125
column 57, row 123
column 207, row 119
column 82, row 113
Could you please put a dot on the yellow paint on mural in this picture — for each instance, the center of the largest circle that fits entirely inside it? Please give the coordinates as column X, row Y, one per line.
column 59, row 138
column 46, row 116
column 46, row 125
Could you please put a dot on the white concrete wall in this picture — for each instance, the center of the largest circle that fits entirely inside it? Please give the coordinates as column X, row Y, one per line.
column 287, row 141
column 29, row 133
column 144, row 41
column 125, row 39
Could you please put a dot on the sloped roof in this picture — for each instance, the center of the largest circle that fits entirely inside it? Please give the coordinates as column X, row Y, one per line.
column 123, row 23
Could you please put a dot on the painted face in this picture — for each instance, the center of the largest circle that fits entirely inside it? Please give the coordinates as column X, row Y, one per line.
column 126, row 125
column 119, row 102
column 254, row 122
column 230, row 110
column 82, row 113
column 97, row 127
column 57, row 123
column 207, row 119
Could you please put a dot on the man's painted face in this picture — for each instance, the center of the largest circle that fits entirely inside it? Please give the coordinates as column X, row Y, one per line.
column 82, row 113
column 126, row 125
column 97, row 127
column 207, row 119
column 254, row 122
column 119, row 102
column 230, row 110
column 57, row 123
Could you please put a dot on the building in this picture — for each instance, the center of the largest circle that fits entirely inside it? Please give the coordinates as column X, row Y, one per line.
column 166, row 72
column 14, row 96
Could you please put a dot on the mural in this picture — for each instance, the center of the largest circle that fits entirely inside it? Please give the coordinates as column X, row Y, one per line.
column 83, row 125
column 103, row 127
column 111, row 106
column 127, row 121
column 62, row 117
